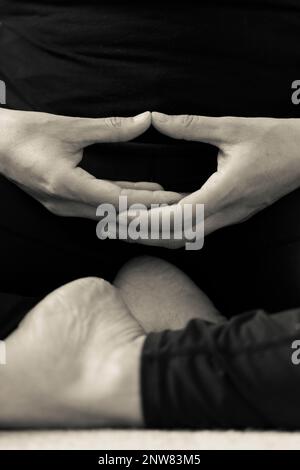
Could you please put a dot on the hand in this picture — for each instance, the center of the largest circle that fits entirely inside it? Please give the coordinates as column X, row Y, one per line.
column 74, row 361
column 40, row 153
column 258, row 163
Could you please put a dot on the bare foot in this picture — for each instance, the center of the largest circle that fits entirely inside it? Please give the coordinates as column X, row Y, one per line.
column 160, row 296
column 74, row 361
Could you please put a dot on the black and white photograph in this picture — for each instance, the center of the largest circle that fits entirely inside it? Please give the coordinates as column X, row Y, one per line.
column 149, row 231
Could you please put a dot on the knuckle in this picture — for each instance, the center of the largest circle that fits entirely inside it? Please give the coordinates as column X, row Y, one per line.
column 187, row 125
column 52, row 186
column 115, row 122
column 188, row 120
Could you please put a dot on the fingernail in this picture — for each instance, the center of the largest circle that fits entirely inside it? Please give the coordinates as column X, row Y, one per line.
column 160, row 116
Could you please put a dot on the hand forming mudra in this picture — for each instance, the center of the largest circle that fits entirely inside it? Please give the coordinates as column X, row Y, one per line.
column 41, row 152
column 258, row 163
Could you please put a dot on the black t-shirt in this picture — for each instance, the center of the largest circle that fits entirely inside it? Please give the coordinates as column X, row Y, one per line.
column 101, row 58
column 209, row 56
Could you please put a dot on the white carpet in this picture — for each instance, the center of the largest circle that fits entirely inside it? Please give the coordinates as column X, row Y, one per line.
column 147, row 440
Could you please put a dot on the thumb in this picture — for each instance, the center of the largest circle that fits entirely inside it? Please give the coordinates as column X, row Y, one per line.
column 217, row 195
column 212, row 130
column 85, row 131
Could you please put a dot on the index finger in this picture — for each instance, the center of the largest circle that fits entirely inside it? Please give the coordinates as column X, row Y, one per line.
column 212, row 130
column 81, row 186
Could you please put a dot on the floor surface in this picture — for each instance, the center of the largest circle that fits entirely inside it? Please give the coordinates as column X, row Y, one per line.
column 146, row 440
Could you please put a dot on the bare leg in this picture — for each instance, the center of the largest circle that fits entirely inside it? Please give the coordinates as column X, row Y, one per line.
column 160, row 296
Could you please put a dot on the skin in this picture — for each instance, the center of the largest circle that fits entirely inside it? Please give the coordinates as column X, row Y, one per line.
column 177, row 299
column 83, row 344
column 41, row 152
column 75, row 358
column 258, row 163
